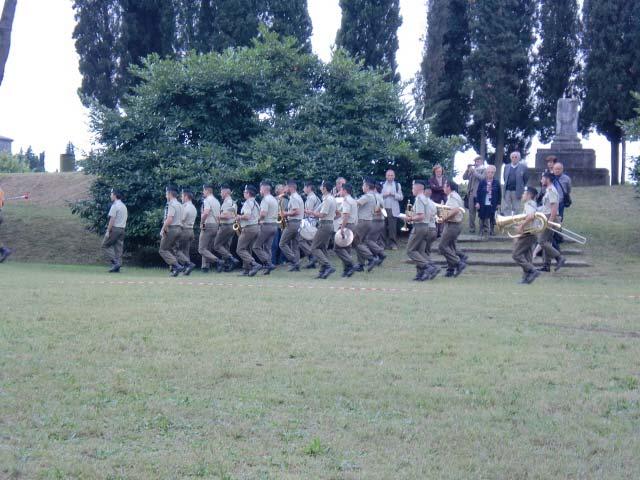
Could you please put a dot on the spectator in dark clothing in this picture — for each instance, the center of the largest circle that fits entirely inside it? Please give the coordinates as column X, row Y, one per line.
column 488, row 200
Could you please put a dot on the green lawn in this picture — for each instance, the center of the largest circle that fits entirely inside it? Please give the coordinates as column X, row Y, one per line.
column 282, row 377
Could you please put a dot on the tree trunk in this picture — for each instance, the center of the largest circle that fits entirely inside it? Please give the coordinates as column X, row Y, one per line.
column 499, row 150
column 483, row 144
column 615, row 157
column 6, row 24
column 623, row 167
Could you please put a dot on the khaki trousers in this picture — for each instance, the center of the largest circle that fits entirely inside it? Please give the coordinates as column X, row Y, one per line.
column 168, row 245
column 374, row 242
column 362, row 232
column 205, row 244
column 264, row 243
column 510, row 203
column 523, row 252
column 548, row 251
column 113, row 245
column 222, row 243
column 289, row 241
column 245, row 245
column 390, row 230
column 448, row 243
column 344, row 253
column 183, row 253
column 419, row 247
column 320, row 243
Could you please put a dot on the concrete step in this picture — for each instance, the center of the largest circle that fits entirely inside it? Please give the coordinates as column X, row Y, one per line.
column 508, row 262
column 504, row 250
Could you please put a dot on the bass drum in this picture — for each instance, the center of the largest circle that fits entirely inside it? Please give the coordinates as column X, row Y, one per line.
column 307, row 230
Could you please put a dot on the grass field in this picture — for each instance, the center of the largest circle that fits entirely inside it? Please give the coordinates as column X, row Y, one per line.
column 218, row 376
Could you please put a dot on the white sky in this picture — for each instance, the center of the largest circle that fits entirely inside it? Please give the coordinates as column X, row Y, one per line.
column 39, row 105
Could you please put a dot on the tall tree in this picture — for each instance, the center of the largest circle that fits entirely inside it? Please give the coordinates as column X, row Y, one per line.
column 369, row 32
column 443, row 66
column 499, row 74
column 95, row 35
column 6, row 25
column 557, row 60
column 290, row 18
column 612, row 69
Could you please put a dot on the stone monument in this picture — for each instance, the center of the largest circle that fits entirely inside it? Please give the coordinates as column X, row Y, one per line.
column 579, row 163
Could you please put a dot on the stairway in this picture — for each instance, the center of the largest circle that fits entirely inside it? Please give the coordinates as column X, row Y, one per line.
column 496, row 252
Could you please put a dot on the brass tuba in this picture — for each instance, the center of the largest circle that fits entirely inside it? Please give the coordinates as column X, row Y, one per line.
column 407, row 217
column 442, row 209
column 540, row 223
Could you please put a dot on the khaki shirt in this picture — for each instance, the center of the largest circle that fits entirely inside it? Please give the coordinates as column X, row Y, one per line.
column 119, row 212
column 377, row 212
column 425, row 205
column 328, row 207
column 270, row 205
column 228, row 206
column 366, row 204
column 189, row 214
column 251, row 208
column 454, row 200
column 174, row 210
column 550, row 197
column 350, row 206
column 312, row 202
column 530, row 207
column 211, row 206
column 296, row 202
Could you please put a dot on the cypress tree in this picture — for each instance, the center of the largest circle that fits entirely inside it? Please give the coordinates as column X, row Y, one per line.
column 556, row 62
column 612, row 69
column 443, row 66
column 498, row 77
column 291, row 18
column 369, row 32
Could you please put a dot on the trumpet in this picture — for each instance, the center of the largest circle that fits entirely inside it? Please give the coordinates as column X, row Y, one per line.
column 407, row 217
column 538, row 225
column 446, row 210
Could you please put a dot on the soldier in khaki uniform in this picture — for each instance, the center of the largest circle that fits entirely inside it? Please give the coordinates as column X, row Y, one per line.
column 189, row 214
column 263, row 245
column 451, row 232
column 325, row 214
column 366, row 205
column 375, row 237
column 4, row 251
column 209, row 218
column 311, row 204
column 294, row 214
column 523, row 247
column 222, row 244
column 248, row 219
column 113, row 242
column 550, row 207
column 348, row 219
column 171, row 231
column 423, row 233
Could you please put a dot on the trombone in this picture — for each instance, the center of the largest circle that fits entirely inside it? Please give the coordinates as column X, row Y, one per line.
column 510, row 224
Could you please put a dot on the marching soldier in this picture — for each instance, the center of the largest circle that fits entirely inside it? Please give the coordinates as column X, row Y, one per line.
column 375, row 238
column 550, row 207
column 379, row 219
column 263, row 245
column 4, row 251
column 113, row 243
column 523, row 247
column 325, row 214
column 171, row 231
column 311, row 204
column 189, row 214
column 348, row 219
column 222, row 243
column 294, row 214
column 423, row 233
column 452, row 228
column 248, row 219
column 209, row 219
column 366, row 205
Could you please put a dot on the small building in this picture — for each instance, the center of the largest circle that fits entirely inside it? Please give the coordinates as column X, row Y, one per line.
column 5, row 144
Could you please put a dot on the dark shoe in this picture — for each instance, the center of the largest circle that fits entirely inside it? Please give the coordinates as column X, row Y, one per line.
column 268, row 269
column 472, row 230
column 381, row 258
column 459, row 268
column 350, row 271
column 357, row 268
column 115, row 268
column 322, row 270
column 560, row 263
column 532, row 276
column 176, row 270
column 5, row 254
column 544, row 268
column 328, row 271
column 435, row 271
column 295, row 267
column 450, row 273
column 254, row 270
column 373, row 263
column 204, row 269
column 463, row 257
column 188, row 269
column 345, row 272
column 419, row 272
column 310, row 265
column 425, row 275
column 219, row 266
